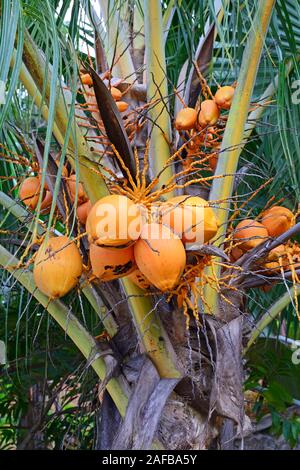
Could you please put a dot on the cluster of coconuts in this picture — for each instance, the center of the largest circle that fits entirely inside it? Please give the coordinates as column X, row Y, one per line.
column 209, row 112
column 149, row 253
column 207, row 116
column 30, row 189
column 87, row 80
column 250, row 233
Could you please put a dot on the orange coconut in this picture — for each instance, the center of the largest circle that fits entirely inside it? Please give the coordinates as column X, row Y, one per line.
column 108, row 263
column 209, row 113
column 29, row 191
column 46, row 203
column 213, row 161
column 277, row 253
column 82, row 196
column 224, row 97
column 277, row 220
column 122, row 106
column 114, row 221
column 160, row 256
column 138, row 278
column 57, row 266
column 272, row 266
column 86, row 79
column 83, row 211
column 116, row 93
column 186, row 119
column 249, row 234
column 191, row 218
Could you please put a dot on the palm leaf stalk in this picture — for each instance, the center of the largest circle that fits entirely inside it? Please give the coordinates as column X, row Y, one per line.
column 271, row 314
column 117, row 388
column 222, row 188
column 157, row 91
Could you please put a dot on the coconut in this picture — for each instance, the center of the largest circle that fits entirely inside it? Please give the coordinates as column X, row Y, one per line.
column 57, row 266
column 116, row 93
column 86, row 79
column 209, row 113
column 46, row 203
column 122, row 106
column 186, row 119
column 138, row 278
column 82, row 196
column 191, row 218
column 249, row 234
column 83, row 211
column 29, row 191
column 160, row 256
column 114, row 221
column 278, row 220
column 224, row 97
column 109, row 263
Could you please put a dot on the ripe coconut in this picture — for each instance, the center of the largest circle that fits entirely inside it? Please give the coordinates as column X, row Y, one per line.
column 272, row 266
column 249, row 234
column 57, row 266
column 109, row 263
column 122, row 106
column 213, row 161
column 209, row 113
column 186, row 119
column 46, row 203
column 114, row 221
column 160, row 256
column 138, row 278
column 277, row 220
column 82, row 196
column 86, row 79
column 277, row 253
column 83, row 211
column 191, row 218
column 224, row 97
column 29, row 191
column 116, row 93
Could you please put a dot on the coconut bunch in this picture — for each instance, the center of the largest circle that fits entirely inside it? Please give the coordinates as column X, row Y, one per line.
column 91, row 105
column 29, row 193
column 148, row 245
column 272, row 223
column 126, row 239
column 30, row 190
column 202, row 127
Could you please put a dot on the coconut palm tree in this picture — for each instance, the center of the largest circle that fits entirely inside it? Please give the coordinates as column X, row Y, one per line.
column 95, row 89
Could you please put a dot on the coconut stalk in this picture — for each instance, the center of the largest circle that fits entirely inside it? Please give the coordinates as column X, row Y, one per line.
column 36, row 65
column 154, row 339
column 117, row 387
column 228, row 159
column 157, row 91
column 114, row 39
